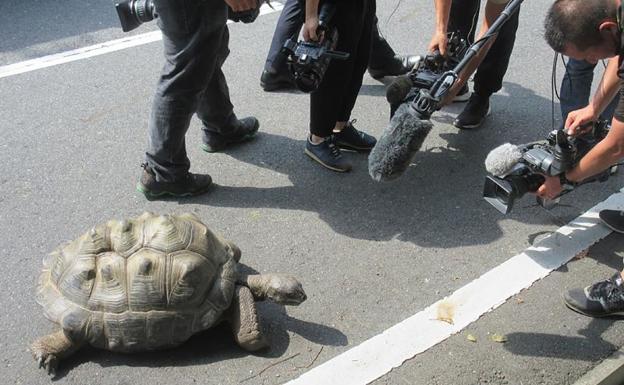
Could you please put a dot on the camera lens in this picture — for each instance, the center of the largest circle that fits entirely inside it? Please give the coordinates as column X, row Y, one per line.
column 144, row 10
column 133, row 13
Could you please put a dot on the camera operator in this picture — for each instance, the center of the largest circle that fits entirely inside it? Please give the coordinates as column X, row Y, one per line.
column 462, row 16
column 275, row 76
column 332, row 102
column 195, row 38
column 594, row 36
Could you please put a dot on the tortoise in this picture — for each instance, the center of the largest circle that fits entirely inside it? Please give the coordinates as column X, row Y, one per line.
column 150, row 283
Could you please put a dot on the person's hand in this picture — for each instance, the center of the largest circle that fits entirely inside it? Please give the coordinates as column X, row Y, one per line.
column 439, row 42
column 310, row 28
column 578, row 121
column 550, row 188
column 241, row 5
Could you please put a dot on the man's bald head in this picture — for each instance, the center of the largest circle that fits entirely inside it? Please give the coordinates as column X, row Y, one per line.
column 578, row 22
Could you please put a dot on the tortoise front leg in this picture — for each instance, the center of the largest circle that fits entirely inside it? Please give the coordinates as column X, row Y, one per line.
column 245, row 323
column 50, row 349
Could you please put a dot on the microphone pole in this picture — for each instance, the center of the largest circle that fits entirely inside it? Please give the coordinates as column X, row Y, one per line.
column 446, row 86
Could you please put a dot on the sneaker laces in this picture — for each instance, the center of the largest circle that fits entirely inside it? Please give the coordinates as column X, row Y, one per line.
column 607, row 289
column 334, row 151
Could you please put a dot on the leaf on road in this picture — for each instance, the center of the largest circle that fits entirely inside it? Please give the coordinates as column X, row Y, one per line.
column 471, row 338
column 445, row 312
column 499, row 338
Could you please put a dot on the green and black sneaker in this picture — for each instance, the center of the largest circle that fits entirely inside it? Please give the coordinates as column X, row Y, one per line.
column 189, row 185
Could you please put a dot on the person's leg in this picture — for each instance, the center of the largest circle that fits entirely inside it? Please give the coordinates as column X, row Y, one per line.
column 221, row 127
column 190, row 44
column 326, row 103
column 383, row 60
column 575, row 86
column 489, row 76
column 276, row 75
column 463, row 18
column 288, row 26
column 345, row 135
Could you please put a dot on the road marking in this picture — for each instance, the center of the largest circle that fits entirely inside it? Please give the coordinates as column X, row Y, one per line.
column 98, row 49
column 379, row 355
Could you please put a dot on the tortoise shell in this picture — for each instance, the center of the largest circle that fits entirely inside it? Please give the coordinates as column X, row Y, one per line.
column 140, row 284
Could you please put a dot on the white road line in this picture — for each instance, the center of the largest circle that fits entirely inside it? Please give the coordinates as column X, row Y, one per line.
column 377, row 356
column 97, row 49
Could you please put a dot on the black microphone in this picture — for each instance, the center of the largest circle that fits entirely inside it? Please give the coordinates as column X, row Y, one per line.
column 398, row 144
column 501, row 160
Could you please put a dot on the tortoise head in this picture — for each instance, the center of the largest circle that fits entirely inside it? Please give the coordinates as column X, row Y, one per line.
column 285, row 289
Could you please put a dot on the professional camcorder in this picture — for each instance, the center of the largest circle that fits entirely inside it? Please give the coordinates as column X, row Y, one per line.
column 308, row 61
column 426, row 72
column 133, row 13
column 517, row 170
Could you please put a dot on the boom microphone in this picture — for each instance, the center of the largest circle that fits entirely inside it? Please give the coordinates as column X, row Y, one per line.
column 501, row 160
column 398, row 144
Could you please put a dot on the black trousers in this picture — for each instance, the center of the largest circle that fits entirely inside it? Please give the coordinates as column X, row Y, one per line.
column 489, row 76
column 195, row 39
column 334, row 99
column 289, row 25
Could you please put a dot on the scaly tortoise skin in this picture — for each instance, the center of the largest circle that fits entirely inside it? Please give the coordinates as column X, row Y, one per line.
column 150, row 283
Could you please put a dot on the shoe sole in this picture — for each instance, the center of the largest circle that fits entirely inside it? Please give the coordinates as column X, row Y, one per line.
column 151, row 195
column 615, row 314
column 348, row 147
column 211, row 148
column 471, row 126
column 611, row 227
column 315, row 158
column 279, row 87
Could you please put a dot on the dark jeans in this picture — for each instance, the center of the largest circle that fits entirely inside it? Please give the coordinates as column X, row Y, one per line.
column 489, row 76
column 576, row 88
column 195, row 38
column 289, row 25
column 336, row 95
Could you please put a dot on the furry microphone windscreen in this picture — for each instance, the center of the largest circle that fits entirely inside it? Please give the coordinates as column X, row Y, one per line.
column 398, row 89
column 398, row 144
column 501, row 160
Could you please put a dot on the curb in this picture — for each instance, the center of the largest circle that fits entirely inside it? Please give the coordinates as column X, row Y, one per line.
column 608, row 372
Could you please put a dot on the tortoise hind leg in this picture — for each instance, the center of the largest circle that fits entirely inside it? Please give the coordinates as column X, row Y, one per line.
column 245, row 323
column 50, row 349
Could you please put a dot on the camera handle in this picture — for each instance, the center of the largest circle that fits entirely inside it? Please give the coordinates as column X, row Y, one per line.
column 445, row 87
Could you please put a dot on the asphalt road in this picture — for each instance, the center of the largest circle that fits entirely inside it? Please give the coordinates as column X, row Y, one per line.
column 369, row 255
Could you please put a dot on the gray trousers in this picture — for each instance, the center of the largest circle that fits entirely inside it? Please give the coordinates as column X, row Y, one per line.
column 195, row 38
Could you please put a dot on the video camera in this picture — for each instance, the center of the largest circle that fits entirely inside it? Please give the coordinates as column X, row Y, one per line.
column 133, row 13
column 426, row 72
column 308, row 61
column 520, row 169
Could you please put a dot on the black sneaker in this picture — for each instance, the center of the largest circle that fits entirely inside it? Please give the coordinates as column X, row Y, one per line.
column 463, row 95
column 243, row 130
column 277, row 81
column 602, row 299
column 474, row 113
column 613, row 219
column 352, row 139
column 189, row 185
column 398, row 65
column 328, row 155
